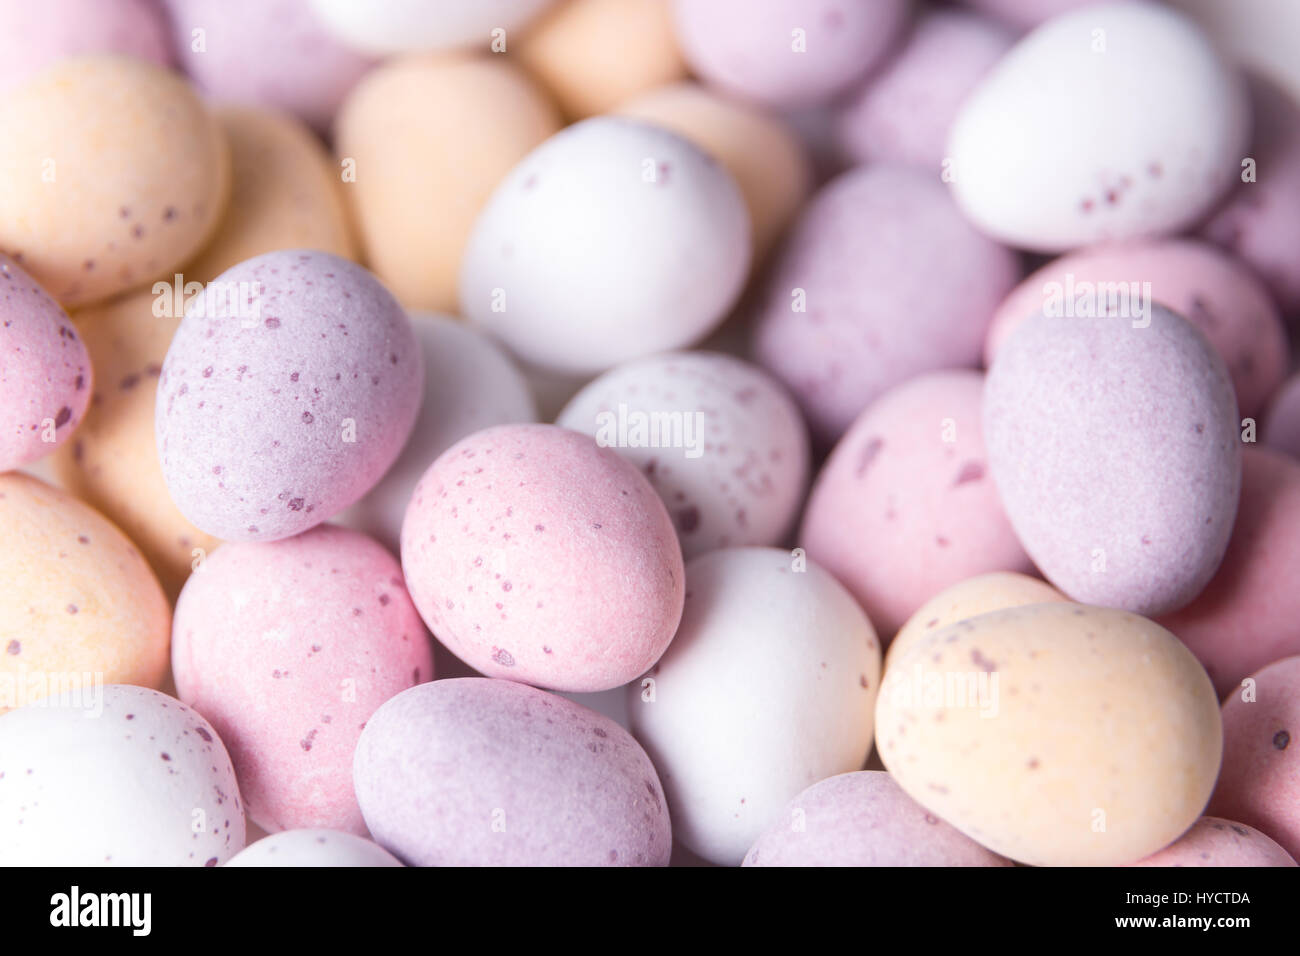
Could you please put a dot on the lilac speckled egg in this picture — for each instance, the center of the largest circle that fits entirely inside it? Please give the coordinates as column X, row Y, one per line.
column 1082, row 132
column 1113, row 442
column 612, row 240
column 271, row 53
column 288, row 647
column 864, row 819
column 1282, row 422
column 904, row 506
column 289, row 389
column 721, row 442
column 769, row 686
column 1260, row 221
column 115, row 775
column 1215, row 842
column 33, row 35
column 314, row 847
column 536, row 555
column 475, row 772
column 852, row 305
column 1246, row 616
column 903, row 111
column 469, row 384
column 1260, row 781
column 1214, row 291
column 45, row 371
column 786, row 52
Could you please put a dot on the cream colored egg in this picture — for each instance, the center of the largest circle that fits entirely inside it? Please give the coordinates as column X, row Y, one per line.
column 112, row 173
column 1054, row 734
column 112, row 461
column 79, row 606
column 594, row 54
column 422, row 142
column 286, row 193
column 970, row 598
column 766, row 159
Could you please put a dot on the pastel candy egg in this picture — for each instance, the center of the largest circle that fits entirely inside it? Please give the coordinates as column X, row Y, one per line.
column 786, row 52
column 1024, row 14
column 1260, row 785
column 766, row 158
column 863, row 819
column 290, row 387
column 396, row 26
column 112, row 463
column 521, row 577
column 1282, row 423
column 45, row 375
column 115, row 776
column 1245, row 617
column 1215, row 842
column 904, row 506
column 469, row 385
column 272, row 53
column 288, row 647
column 903, row 111
column 1256, row 32
column 1083, row 417
column 722, row 444
column 1215, row 292
column 584, row 54
column 1054, row 734
column 313, row 848
column 112, row 173
column 768, row 687
column 1080, row 133
column 650, row 258
column 851, row 306
column 34, row 35
column 422, row 142
column 474, row 772
column 285, row 194
column 76, row 597
column 1260, row 221
column 966, row 599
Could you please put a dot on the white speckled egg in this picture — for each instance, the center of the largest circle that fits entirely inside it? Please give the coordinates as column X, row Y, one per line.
column 394, row 26
column 314, row 847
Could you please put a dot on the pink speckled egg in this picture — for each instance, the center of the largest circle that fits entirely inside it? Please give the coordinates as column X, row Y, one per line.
column 45, row 371
column 863, row 819
column 903, row 111
column 290, row 387
column 1259, row 784
column 852, row 306
column 1282, row 422
column 720, row 441
column 474, row 772
column 288, row 647
column 786, row 52
column 314, row 847
column 1212, row 290
column 115, row 775
column 535, row 554
column 267, row 52
column 1246, row 615
column 1114, row 445
column 904, row 506
column 34, row 35
column 1215, row 842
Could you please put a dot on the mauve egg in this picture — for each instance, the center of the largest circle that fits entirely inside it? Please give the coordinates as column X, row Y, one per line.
column 1282, row 422
column 34, row 35
column 290, row 387
column 1215, row 842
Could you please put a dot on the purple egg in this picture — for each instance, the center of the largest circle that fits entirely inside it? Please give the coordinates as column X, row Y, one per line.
column 289, row 389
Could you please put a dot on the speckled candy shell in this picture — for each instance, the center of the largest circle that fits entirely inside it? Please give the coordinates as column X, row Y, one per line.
column 145, row 782
column 313, row 847
column 1215, row 842
column 474, row 772
column 863, row 819
column 269, row 430
column 1117, row 456
column 45, row 372
column 288, row 647
column 536, row 555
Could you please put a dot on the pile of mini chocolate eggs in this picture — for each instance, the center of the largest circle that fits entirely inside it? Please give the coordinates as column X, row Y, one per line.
column 513, row 432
